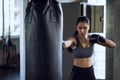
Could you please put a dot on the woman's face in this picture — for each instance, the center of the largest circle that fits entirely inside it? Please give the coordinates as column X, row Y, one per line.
column 83, row 29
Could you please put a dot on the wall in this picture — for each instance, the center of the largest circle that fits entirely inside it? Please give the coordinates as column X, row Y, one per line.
column 70, row 14
column 113, row 32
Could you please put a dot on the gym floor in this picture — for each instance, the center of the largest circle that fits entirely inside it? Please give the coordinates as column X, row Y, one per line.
column 9, row 73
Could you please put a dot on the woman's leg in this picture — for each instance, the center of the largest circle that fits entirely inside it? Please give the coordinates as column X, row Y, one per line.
column 82, row 73
column 75, row 75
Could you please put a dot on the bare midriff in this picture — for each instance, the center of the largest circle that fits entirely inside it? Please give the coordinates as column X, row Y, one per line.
column 82, row 62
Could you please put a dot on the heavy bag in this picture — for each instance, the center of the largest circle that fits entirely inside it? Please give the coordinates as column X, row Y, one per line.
column 43, row 37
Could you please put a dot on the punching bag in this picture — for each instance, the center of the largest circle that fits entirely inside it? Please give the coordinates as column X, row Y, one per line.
column 43, row 37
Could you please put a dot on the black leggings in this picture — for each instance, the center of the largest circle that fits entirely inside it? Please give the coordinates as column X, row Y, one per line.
column 82, row 73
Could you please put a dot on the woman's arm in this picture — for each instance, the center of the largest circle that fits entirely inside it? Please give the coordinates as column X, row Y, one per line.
column 95, row 38
column 68, row 42
column 108, row 43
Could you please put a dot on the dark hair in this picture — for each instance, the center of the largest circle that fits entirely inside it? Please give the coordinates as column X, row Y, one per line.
column 79, row 19
column 82, row 19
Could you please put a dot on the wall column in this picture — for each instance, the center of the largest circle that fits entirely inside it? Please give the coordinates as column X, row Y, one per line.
column 113, row 32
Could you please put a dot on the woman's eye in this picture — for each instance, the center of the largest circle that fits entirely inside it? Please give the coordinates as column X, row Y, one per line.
column 80, row 28
column 85, row 28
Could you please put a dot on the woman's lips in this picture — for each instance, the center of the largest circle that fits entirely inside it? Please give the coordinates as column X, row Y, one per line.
column 83, row 34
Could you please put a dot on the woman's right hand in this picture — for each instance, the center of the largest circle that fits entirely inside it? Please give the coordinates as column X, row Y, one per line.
column 67, row 43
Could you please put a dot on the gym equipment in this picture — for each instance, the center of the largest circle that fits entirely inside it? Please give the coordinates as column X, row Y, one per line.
column 43, row 38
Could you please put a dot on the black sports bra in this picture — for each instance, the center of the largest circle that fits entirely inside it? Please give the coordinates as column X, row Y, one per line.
column 81, row 52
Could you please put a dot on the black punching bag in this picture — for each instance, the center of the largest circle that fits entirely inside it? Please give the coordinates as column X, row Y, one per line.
column 43, row 37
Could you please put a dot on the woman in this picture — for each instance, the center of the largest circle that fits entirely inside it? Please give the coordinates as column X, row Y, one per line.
column 81, row 45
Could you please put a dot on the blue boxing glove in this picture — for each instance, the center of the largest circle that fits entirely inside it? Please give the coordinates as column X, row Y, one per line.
column 95, row 38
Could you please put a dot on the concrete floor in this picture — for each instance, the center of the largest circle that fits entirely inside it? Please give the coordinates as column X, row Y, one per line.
column 9, row 73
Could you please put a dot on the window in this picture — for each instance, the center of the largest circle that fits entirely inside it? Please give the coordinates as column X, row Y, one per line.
column 1, row 18
column 97, row 2
column 99, row 60
column 99, row 54
column 11, row 15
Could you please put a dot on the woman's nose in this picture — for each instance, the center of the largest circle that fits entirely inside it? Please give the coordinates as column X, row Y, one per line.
column 82, row 30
